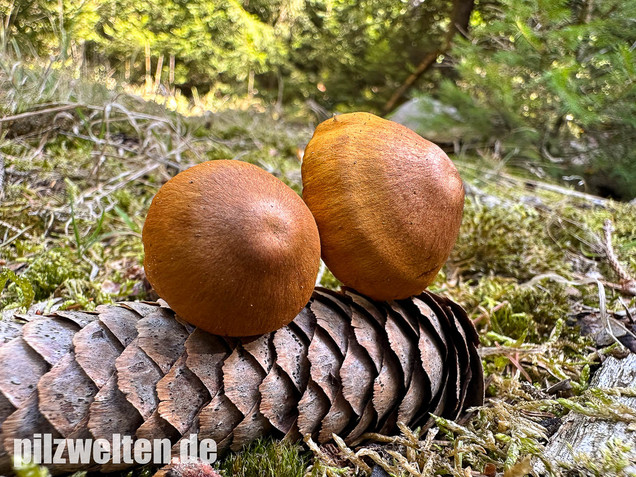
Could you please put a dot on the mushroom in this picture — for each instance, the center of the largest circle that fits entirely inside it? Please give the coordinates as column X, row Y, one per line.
column 231, row 248
column 387, row 202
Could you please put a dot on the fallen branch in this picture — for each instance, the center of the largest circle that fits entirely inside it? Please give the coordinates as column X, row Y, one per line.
column 585, row 435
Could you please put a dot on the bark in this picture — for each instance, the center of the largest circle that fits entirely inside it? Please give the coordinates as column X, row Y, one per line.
column 586, row 435
column 460, row 19
column 345, row 365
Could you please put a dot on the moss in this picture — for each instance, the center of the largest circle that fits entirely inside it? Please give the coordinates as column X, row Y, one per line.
column 616, row 459
column 125, row 199
column 544, row 304
column 329, row 281
column 23, row 288
column 508, row 241
column 52, row 268
column 107, row 269
column 505, row 307
column 59, row 272
column 266, row 458
column 31, row 470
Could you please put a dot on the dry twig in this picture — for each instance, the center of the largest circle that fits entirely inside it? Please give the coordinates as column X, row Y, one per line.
column 627, row 282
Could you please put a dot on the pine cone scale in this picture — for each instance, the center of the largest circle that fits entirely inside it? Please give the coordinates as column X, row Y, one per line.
column 218, row 419
column 452, row 392
column 325, row 360
column 181, row 396
column 291, row 356
column 337, row 419
column 387, row 388
column 388, row 383
column 22, row 367
column 8, row 331
column 156, row 428
column 62, row 409
column 357, row 374
column 367, row 334
column 137, row 378
column 333, row 319
column 431, row 358
column 162, row 338
column 50, row 338
column 111, row 413
column 364, row 424
column 253, row 426
column 417, row 394
column 80, row 318
column 312, row 407
column 6, row 408
column 21, row 424
column 205, row 354
column 401, row 344
column 96, row 340
column 121, row 322
column 241, row 376
column 261, row 349
column 304, row 324
column 278, row 396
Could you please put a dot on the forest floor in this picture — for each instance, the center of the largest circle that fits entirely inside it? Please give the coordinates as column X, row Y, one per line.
column 536, row 266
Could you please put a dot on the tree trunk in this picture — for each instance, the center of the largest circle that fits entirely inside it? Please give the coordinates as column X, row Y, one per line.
column 460, row 19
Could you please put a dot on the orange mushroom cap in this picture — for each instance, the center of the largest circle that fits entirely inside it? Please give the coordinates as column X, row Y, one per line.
column 388, row 204
column 231, row 248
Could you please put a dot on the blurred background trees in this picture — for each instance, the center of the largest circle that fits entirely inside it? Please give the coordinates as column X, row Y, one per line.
column 544, row 85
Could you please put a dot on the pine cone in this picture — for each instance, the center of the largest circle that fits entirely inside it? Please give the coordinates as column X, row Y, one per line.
column 345, row 365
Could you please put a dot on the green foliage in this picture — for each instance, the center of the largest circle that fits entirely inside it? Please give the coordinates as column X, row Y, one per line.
column 212, row 40
column 542, row 305
column 329, row 281
column 341, row 53
column 552, row 83
column 266, row 458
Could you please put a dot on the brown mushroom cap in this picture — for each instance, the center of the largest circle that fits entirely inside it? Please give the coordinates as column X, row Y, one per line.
column 231, row 248
column 387, row 202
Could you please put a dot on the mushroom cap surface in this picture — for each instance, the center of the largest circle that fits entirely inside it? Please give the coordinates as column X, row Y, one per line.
column 231, row 248
column 388, row 204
